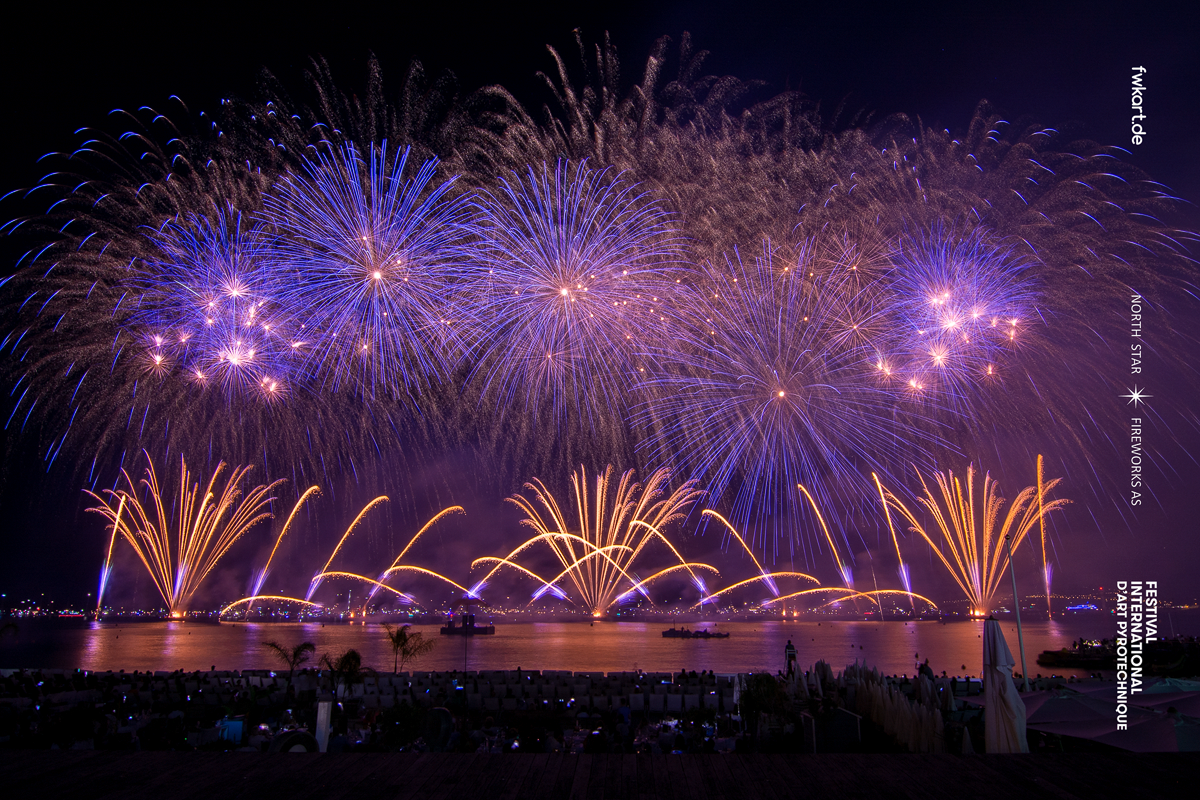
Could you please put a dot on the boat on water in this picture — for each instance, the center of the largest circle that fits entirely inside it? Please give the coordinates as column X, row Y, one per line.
column 1175, row 657
column 467, row 628
column 1078, row 658
column 684, row 633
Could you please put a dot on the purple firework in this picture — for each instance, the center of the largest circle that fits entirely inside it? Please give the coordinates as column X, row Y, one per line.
column 208, row 307
column 772, row 383
column 371, row 250
column 577, row 271
column 962, row 304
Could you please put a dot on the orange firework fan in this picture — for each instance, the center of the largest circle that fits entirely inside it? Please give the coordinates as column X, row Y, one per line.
column 599, row 552
column 180, row 553
column 969, row 537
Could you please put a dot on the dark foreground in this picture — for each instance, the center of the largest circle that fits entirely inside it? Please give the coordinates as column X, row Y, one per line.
column 169, row 775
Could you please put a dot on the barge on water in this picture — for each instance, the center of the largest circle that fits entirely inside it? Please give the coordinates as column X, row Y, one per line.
column 467, row 628
column 684, row 633
column 1177, row 657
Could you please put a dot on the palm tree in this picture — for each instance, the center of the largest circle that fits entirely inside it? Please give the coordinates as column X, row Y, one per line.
column 345, row 669
column 292, row 657
column 406, row 646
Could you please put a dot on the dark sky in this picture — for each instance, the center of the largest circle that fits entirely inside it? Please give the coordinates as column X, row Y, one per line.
column 1062, row 63
column 1059, row 62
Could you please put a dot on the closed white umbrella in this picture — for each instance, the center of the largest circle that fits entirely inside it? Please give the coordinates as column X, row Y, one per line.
column 924, row 690
column 1004, row 714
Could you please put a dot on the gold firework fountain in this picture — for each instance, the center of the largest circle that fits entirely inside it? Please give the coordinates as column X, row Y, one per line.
column 600, row 546
column 968, row 537
column 180, row 553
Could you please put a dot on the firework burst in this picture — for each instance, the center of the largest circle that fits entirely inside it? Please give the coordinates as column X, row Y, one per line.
column 575, row 281
column 374, row 250
column 772, row 383
column 208, row 308
column 961, row 305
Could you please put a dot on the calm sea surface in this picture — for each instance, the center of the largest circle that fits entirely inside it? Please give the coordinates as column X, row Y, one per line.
column 893, row 647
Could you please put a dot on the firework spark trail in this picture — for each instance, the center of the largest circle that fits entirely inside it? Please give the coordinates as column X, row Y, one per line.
column 106, row 570
column 873, row 596
column 768, row 579
column 325, row 573
column 432, row 521
column 247, row 601
column 903, row 569
column 481, row 584
column 574, row 280
column 844, row 570
column 970, row 532
column 287, row 526
column 614, row 528
column 849, row 594
column 1046, row 569
column 178, row 561
column 354, row 576
column 395, row 565
column 316, row 581
column 376, row 251
column 430, row 573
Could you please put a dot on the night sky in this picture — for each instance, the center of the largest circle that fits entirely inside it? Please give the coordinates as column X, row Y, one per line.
column 1065, row 64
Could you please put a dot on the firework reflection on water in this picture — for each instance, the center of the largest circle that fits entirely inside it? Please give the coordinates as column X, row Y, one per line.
column 605, row 646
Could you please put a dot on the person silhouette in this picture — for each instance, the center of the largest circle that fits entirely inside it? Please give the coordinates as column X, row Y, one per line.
column 789, row 655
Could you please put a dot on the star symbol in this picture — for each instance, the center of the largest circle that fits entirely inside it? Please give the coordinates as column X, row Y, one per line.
column 1137, row 396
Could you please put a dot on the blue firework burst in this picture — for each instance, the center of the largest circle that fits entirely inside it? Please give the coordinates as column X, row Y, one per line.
column 209, row 307
column 771, row 383
column 372, row 250
column 962, row 303
column 575, row 279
